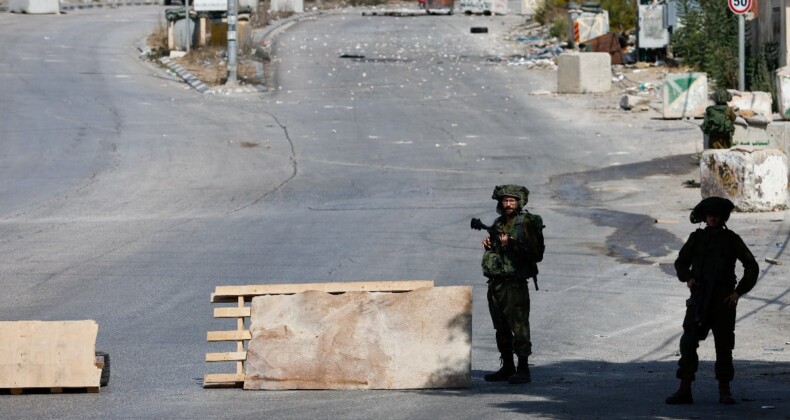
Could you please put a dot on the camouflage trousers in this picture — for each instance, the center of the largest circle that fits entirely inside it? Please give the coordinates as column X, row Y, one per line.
column 720, row 140
column 508, row 303
column 723, row 327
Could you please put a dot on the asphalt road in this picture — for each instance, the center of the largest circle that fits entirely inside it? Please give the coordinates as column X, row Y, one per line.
column 126, row 197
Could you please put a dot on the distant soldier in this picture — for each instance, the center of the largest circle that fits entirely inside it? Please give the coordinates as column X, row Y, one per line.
column 718, row 122
column 512, row 250
column 706, row 264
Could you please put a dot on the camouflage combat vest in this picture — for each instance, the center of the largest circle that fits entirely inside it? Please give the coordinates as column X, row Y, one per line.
column 498, row 262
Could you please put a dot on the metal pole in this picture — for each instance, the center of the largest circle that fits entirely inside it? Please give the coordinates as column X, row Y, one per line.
column 233, row 17
column 741, row 54
column 186, row 17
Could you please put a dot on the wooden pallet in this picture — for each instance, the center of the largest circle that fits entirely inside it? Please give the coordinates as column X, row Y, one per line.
column 240, row 295
column 51, row 390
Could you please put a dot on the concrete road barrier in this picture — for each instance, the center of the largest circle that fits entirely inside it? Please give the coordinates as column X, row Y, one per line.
column 757, row 102
column 361, row 340
column 34, row 6
column 754, row 179
column 49, row 354
column 783, row 91
column 685, row 95
column 584, row 73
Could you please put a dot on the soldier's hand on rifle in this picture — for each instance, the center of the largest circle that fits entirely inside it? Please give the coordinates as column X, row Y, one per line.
column 503, row 239
column 732, row 300
column 691, row 283
column 487, row 243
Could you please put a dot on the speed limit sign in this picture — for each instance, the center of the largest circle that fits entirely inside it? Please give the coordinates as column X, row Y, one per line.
column 740, row 7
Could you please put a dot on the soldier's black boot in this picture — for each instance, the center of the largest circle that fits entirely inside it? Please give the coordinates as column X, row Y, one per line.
column 682, row 395
column 522, row 375
column 725, row 395
column 508, row 368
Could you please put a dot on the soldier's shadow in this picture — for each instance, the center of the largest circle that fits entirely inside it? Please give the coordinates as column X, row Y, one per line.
column 595, row 389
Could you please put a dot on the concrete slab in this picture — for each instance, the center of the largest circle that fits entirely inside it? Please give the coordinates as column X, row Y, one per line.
column 758, row 102
column 783, row 91
column 584, row 73
column 685, row 95
column 34, row 6
column 296, row 6
column 48, row 354
column 754, row 179
column 361, row 340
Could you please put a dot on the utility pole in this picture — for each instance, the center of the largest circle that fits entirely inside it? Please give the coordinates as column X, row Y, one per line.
column 233, row 18
column 187, row 20
column 739, row 7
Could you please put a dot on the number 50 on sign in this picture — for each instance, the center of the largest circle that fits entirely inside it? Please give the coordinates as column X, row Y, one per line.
column 740, row 7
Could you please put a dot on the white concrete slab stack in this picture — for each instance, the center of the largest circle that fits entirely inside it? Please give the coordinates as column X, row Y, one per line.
column 34, row 6
column 783, row 91
column 48, row 354
column 685, row 95
column 361, row 340
column 584, row 73
column 757, row 102
column 296, row 6
column 754, row 179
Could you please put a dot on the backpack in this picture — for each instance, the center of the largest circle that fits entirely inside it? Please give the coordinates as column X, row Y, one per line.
column 534, row 224
column 716, row 121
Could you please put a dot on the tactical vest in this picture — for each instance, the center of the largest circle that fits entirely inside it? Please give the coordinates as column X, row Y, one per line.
column 500, row 262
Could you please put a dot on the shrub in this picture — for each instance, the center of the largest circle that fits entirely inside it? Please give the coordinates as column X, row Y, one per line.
column 708, row 40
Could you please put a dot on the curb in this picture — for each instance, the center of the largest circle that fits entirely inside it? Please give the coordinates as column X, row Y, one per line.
column 202, row 87
column 184, row 74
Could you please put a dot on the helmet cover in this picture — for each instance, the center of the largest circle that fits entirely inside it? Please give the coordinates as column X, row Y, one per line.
column 718, row 206
column 520, row 193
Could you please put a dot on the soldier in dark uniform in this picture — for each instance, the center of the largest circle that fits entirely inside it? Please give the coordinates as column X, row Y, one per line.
column 509, row 260
column 706, row 264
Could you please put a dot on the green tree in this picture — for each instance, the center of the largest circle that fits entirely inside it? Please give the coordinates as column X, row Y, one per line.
column 708, row 40
column 622, row 14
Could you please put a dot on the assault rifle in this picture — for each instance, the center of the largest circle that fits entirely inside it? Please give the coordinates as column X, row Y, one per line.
column 494, row 233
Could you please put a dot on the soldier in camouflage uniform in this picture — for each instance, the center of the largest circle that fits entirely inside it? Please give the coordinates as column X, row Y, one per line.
column 706, row 263
column 509, row 260
column 718, row 122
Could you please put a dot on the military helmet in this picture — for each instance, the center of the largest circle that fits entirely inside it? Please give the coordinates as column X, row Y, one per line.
column 520, row 193
column 718, row 206
column 722, row 96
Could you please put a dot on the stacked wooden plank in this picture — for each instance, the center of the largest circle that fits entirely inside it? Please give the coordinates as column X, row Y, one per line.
column 49, row 356
column 242, row 295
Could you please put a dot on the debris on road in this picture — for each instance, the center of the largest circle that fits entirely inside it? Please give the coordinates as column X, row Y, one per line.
column 773, row 261
column 666, row 222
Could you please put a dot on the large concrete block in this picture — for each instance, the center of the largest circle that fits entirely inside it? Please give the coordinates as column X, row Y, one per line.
column 361, row 340
column 754, row 179
column 584, row 73
column 752, row 132
column 296, row 6
column 779, row 135
column 685, row 95
column 34, row 6
column 783, row 91
column 48, row 354
column 757, row 102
